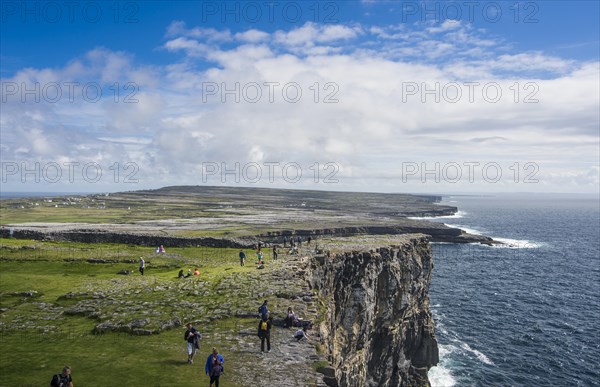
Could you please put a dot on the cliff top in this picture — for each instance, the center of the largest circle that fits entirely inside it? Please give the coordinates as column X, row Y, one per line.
column 223, row 211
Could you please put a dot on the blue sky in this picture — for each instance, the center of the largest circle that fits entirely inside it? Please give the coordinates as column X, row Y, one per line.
column 396, row 96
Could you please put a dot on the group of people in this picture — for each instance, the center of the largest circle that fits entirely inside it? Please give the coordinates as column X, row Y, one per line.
column 295, row 244
column 297, row 241
column 189, row 273
column 266, row 324
column 260, row 263
column 214, row 362
column 159, row 249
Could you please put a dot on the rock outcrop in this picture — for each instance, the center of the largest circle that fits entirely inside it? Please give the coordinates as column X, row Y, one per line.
column 438, row 232
column 377, row 328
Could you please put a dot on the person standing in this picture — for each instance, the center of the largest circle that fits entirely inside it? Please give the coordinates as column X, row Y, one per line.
column 242, row 258
column 274, row 252
column 142, row 265
column 263, row 310
column 264, row 332
column 192, row 338
column 63, row 379
column 214, row 367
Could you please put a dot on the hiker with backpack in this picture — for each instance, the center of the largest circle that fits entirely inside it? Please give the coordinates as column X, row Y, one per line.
column 264, row 332
column 214, row 367
column 63, row 379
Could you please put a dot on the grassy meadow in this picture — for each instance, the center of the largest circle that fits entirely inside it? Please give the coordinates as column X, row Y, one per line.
column 39, row 281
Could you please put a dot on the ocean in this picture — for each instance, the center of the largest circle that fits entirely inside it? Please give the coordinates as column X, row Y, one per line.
column 526, row 314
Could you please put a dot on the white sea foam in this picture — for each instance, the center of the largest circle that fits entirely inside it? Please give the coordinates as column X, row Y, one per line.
column 508, row 243
column 480, row 355
column 465, row 229
column 516, row 244
column 459, row 214
column 441, row 375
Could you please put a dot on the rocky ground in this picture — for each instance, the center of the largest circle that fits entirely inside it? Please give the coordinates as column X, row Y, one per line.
column 224, row 308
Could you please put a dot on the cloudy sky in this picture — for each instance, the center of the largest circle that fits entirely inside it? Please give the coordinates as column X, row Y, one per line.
column 387, row 96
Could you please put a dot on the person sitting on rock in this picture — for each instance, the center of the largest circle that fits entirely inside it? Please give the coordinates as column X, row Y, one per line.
column 290, row 319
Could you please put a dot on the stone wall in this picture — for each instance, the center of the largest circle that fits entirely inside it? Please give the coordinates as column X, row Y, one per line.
column 100, row 236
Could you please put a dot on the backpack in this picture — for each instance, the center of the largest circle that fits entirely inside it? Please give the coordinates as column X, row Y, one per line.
column 264, row 326
column 217, row 368
column 263, row 311
column 59, row 380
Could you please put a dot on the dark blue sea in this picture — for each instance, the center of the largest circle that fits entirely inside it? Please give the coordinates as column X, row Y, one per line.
column 527, row 314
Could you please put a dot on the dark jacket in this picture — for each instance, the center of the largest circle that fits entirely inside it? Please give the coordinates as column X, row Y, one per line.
column 194, row 338
column 267, row 332
column 60, row 380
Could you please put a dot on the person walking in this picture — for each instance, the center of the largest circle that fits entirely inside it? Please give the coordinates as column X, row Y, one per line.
column 264, row 332
column 214, row 367
column 242, row 258
column 63, row 379
column 192, row 338
column 274, row 252
column 142, row 265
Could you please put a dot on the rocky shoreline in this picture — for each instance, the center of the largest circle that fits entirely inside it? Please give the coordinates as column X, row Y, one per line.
column 108, row 234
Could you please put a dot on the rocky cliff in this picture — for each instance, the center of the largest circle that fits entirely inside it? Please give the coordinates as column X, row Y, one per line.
column 438, row 232
column 377, row 328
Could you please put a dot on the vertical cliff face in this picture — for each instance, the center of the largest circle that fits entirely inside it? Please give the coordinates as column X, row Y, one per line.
column 377, row 328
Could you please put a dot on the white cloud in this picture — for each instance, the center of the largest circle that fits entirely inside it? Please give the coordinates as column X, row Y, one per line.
column 375, row 126
column 252, row 36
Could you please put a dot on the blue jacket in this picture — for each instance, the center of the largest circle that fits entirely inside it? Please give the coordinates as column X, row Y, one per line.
column 208, row 366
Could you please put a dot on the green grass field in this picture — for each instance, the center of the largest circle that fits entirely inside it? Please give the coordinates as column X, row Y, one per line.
column 37, row 340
